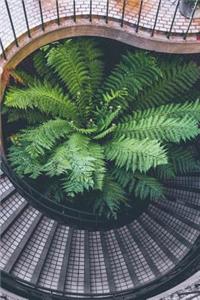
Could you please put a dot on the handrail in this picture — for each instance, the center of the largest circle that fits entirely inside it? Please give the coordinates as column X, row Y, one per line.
column 105, row 15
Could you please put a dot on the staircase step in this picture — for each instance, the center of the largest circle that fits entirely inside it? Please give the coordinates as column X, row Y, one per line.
column 188, row 198
column 119, row 270
column 182, row 231
column 187, row 215
column 158, row 257
column 44, row 253
column 12, row 238
column 172, row 247
column 74, row 281
column 137, row 258
column 99, row 282
column 185, row 182
column 10, row 206
column 14, row 257
column 12, row 218
column 7, row 188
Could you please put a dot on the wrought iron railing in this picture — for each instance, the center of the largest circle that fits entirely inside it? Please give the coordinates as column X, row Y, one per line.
column 107, row 16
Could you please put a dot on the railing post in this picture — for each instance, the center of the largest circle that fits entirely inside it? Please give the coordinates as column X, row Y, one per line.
column 174, row 17
column 3, row 50
column 191, row 19
column 123, row 13
column 90, row 10
column 156, row 18
column 41, row 15
column 11, row 23
column 107, row 11
column 58, row 13
column 26, row 19
column 74, row 8
column 139, row 16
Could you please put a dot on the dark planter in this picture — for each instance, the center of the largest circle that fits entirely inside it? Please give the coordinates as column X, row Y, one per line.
column 187, row 8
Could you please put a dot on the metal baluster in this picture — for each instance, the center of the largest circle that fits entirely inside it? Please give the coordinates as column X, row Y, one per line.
column 90, row 10
column 26, row 19
column 139, row 15
column 156, row 19
column 41, row 15
column 58, row 13
column 3, row 50
column 74, row 6
column 174, row 17
column 11, row 23
column 123, row 13
column 107, row 11
column 191, row 19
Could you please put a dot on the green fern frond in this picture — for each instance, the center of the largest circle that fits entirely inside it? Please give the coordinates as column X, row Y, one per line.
column 59, row 162
column 40, row 65
column 93, row 58
column 45, row 98
column 136, row 72
column 45, row 136
column 84, row 159
column 68, row 62
column 106, row 117
column 110, row 199
column 23, row 163
column 104, row 133
column 169, row 110
column 136, row 154
column 140, row 185
column 182, row 159
column 100, row 169
column 148, row 187
column 31, row 116
column 86, row 131
column 22, row 77
column 115, row 96
column 161, row 128
column 164, row 172
column 177, row 80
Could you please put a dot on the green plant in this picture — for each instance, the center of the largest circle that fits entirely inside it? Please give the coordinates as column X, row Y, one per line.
column 192, row 2
column 114, row 136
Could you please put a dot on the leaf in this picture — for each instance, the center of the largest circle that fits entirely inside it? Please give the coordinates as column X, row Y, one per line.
column 160, row 128
column 45, row 98
column 134, row 154
column 110, row 199
column 45, row 136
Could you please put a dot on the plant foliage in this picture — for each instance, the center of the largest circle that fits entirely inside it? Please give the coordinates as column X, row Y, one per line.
column 116, row 136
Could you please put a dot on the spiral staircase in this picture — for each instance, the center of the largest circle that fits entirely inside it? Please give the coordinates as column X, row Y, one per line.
column 48, row 252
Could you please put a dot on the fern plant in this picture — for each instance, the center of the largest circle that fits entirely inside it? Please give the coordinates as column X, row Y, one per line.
column 114, row 136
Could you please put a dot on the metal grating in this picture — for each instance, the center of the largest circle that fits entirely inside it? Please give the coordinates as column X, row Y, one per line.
column 190, row 182
column 183, row 196
column 50, row 274
column 183, row 229
column 162, row 262
column 5, row 184
column 28, row 260
column 141, row 266
column 15, row 233
column 174, row 246
column 10, row 206
column 75, row 274
column 99, row 281
column 119, row 269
